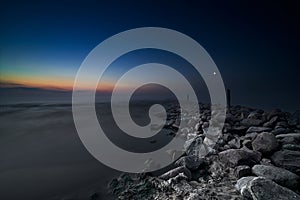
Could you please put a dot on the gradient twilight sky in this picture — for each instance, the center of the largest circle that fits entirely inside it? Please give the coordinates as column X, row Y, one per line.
column 255, row 45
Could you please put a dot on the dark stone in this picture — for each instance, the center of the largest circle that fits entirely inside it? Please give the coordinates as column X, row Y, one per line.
column 279, row 131
column 242, row 170
column 289, row 138
column 293, row 147
column 247, row 144
column 287, row 159
column 281, row 176
column 271, row 123
column 254, row 115
column 258, row 129
column 251, row 122
column 227, row 137
column 294, row 119
column 266, row 161
column 251, row 136
column 235, row 157
column 283, row 124
column 266, row 143
column 235, row 143
column 275, row 112
column 240, row 130
column 190, row 162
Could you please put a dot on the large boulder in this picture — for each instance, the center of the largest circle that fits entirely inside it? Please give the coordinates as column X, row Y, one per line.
column 235, row 157
column 281, row 176
column 260, row 188
column 266, row 143
column 287, row 159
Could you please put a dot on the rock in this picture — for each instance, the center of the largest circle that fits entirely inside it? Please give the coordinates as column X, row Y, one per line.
column 174, row 172
column 289, row 138
column 197, row 127
column 271, row 123
column 266, row 143
column 293, row 147
column 230, row 118
column 294, row 135
column 190, row 162
column 235, row 157
column 258, row 129
column 242, row 170
column 247, row 144
column 205, row 125
column 283, row 124
column 281, row 176
column 294, row 118
column 287, row 159
column 251, row 136
column 275, row 112
column 261, row 189
column 235, row 143
column 240, row 130
column 266, row 161
column 227, row 137
column 195, row 147
column 278, row 131
column 254, row 115
column 241, row 186
column 251, row 122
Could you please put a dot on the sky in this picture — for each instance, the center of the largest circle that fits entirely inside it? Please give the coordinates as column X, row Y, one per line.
column 255, row 44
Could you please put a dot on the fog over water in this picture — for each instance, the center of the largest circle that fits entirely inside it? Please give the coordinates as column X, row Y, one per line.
column 42, row 157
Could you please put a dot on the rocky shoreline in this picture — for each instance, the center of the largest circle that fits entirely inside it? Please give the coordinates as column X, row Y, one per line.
column 257, row 157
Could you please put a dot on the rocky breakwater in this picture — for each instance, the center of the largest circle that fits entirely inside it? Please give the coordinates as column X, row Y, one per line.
column 256, row 157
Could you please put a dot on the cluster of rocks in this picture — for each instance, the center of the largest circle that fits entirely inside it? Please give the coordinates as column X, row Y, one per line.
column 257, row 157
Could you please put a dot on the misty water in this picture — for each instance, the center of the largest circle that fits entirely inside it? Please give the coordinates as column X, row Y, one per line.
column 42, row 157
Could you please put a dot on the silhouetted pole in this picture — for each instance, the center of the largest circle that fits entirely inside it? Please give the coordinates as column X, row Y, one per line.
column 228, row 99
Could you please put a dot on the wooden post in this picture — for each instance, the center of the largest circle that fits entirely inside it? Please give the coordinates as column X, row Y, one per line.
column 228, row 99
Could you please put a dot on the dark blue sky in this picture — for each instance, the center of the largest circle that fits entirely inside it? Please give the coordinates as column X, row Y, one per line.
column 254, row 44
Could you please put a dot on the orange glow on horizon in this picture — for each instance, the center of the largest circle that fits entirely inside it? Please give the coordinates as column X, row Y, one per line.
column 53, row 83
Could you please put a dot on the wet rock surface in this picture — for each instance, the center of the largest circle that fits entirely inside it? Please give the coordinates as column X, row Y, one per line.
column 261, row 188
column 281, row 176
column 256, row 157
